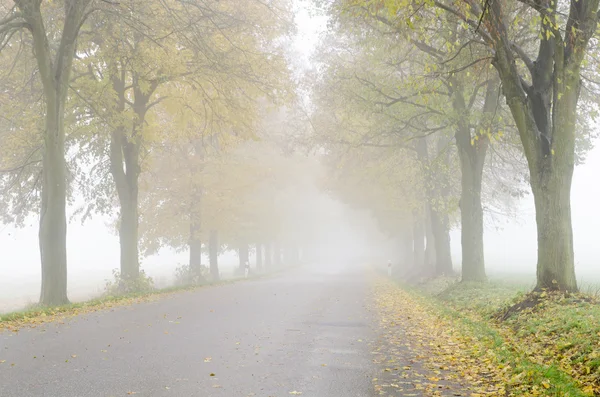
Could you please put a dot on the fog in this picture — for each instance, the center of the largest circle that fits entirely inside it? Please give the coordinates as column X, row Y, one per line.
column 350, row 235
column 345, row 234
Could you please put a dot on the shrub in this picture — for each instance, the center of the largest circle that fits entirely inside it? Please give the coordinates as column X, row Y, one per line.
column 185, row 275
column 119, row 285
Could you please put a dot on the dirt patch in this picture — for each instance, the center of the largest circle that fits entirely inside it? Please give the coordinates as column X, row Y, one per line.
column 536, row 301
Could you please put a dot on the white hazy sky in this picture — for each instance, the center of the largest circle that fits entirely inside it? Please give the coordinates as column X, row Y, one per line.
column 93, row 248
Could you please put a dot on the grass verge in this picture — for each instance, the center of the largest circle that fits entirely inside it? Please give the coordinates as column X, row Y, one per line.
column 35, row 315
column 552, row 349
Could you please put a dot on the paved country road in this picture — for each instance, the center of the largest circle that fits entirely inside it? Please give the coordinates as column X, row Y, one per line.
column 303, row 331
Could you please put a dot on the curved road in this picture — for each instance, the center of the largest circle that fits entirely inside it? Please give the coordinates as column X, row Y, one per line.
column 303, row 331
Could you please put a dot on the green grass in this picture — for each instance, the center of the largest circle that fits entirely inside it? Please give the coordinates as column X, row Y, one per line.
column 551, row 350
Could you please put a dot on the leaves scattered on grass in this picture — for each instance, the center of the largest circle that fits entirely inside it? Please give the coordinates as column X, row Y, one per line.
column 563, row 330
column 549, row 341
column 423, row 353
column 39, row 315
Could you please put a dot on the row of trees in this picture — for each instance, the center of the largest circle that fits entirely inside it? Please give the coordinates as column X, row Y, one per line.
column 149, row 111
column 429, row 108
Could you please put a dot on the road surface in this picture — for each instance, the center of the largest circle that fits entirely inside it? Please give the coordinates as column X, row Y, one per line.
column 303, row 331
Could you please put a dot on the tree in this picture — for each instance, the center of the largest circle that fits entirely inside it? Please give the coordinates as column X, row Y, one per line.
column 166, row 84
column 545, row 112
column 54, row 64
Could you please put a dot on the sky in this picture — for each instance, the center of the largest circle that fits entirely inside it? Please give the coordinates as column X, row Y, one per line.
column 93, row 247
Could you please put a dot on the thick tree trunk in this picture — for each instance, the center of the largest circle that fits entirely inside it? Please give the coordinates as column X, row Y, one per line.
column 545, row 114
column 213, row 253
column 125, row 168
column 551, row 181
column 53, row 220
column 418, row 242
column 126, row 180
column 472, row 153
column 471, row 216
column 55, row 76
column 555, row 269
column 441, row 232
column 259, row 257
column 128, row 239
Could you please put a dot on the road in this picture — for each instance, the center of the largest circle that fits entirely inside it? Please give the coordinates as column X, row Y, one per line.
column 304, row 331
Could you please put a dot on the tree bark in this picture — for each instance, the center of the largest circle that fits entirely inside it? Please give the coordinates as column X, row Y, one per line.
column 213, row 253
column 545, row 115
column 126, row 180
column 195, row 248
column 276, row 254
column 472, row 153
column 430, row 259
column 53, row 221
column 125, row 169
column 128, row 238
column 418, row 242
column 555, row 269
column 406, row 249
column 243, row 255
column 440, row 225
column 259, row 257
column 55, row 74
column 268, row 256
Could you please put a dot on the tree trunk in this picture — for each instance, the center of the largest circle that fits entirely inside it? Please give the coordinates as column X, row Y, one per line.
column 126, row 180
column 551, row 180
column 471, row 152
column 268, row 256
column 53, row 220
column 471, row 216
column 276, row 254
column 555, row 269
column 407, row 252
column 195, row 249
column 213, row 253
column 430, row 259
column 243, row 255
column 545, row 114
column 441, row 232
column 125, row 167
column 259, row 257
column 128, row 239
column 418, row 242
column 55, row 76
column 438, row 233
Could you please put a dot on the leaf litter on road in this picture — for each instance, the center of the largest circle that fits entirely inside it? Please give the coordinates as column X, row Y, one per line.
column 422, row 354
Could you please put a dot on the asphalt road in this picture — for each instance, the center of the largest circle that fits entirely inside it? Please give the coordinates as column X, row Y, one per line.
column 303, row 331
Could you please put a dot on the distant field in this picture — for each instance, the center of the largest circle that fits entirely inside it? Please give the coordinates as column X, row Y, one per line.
column 19, row 292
